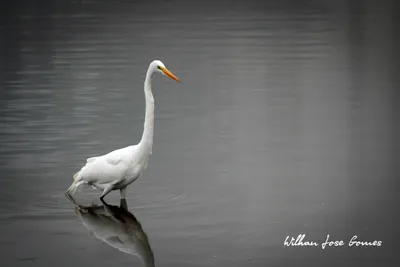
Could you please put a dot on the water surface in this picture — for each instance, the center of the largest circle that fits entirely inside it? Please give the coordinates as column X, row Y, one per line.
column 283, row 124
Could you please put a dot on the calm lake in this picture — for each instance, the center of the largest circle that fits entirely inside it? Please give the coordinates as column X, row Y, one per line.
column 284, row 124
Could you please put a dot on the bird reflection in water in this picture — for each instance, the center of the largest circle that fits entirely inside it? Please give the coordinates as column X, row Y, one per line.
column 118, row 228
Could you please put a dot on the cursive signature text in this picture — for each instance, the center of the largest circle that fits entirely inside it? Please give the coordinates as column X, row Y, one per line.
column 301, row 241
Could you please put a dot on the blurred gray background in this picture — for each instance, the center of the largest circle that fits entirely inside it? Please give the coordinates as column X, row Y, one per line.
column 284, row 123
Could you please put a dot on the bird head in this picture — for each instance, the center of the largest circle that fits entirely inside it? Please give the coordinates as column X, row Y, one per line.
column 158, row 67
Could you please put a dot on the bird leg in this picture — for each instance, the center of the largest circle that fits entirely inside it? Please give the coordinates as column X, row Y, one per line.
column 123, row 193
column 123, row 204
column 106, row 191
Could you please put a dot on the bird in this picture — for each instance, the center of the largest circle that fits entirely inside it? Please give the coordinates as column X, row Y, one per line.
column 118, row 228
column 119, row 168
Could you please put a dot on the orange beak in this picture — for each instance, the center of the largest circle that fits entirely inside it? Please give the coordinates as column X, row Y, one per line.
column 170, row 74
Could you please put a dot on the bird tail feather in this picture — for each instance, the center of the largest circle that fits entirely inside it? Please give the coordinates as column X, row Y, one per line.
column 77, row 182
column 72, row 189
column 76, row 176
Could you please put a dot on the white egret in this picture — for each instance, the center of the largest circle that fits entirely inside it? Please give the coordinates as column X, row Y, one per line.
column 119, row 168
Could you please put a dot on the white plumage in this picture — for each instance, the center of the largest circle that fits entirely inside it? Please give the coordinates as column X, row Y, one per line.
column 119, row 168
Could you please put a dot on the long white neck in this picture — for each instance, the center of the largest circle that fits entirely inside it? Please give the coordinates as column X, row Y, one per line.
column 146, row 143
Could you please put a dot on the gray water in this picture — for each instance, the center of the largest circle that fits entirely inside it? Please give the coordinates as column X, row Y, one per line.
column 284, row 124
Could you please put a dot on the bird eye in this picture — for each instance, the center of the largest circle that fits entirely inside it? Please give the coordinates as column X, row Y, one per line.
column 158, row 67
